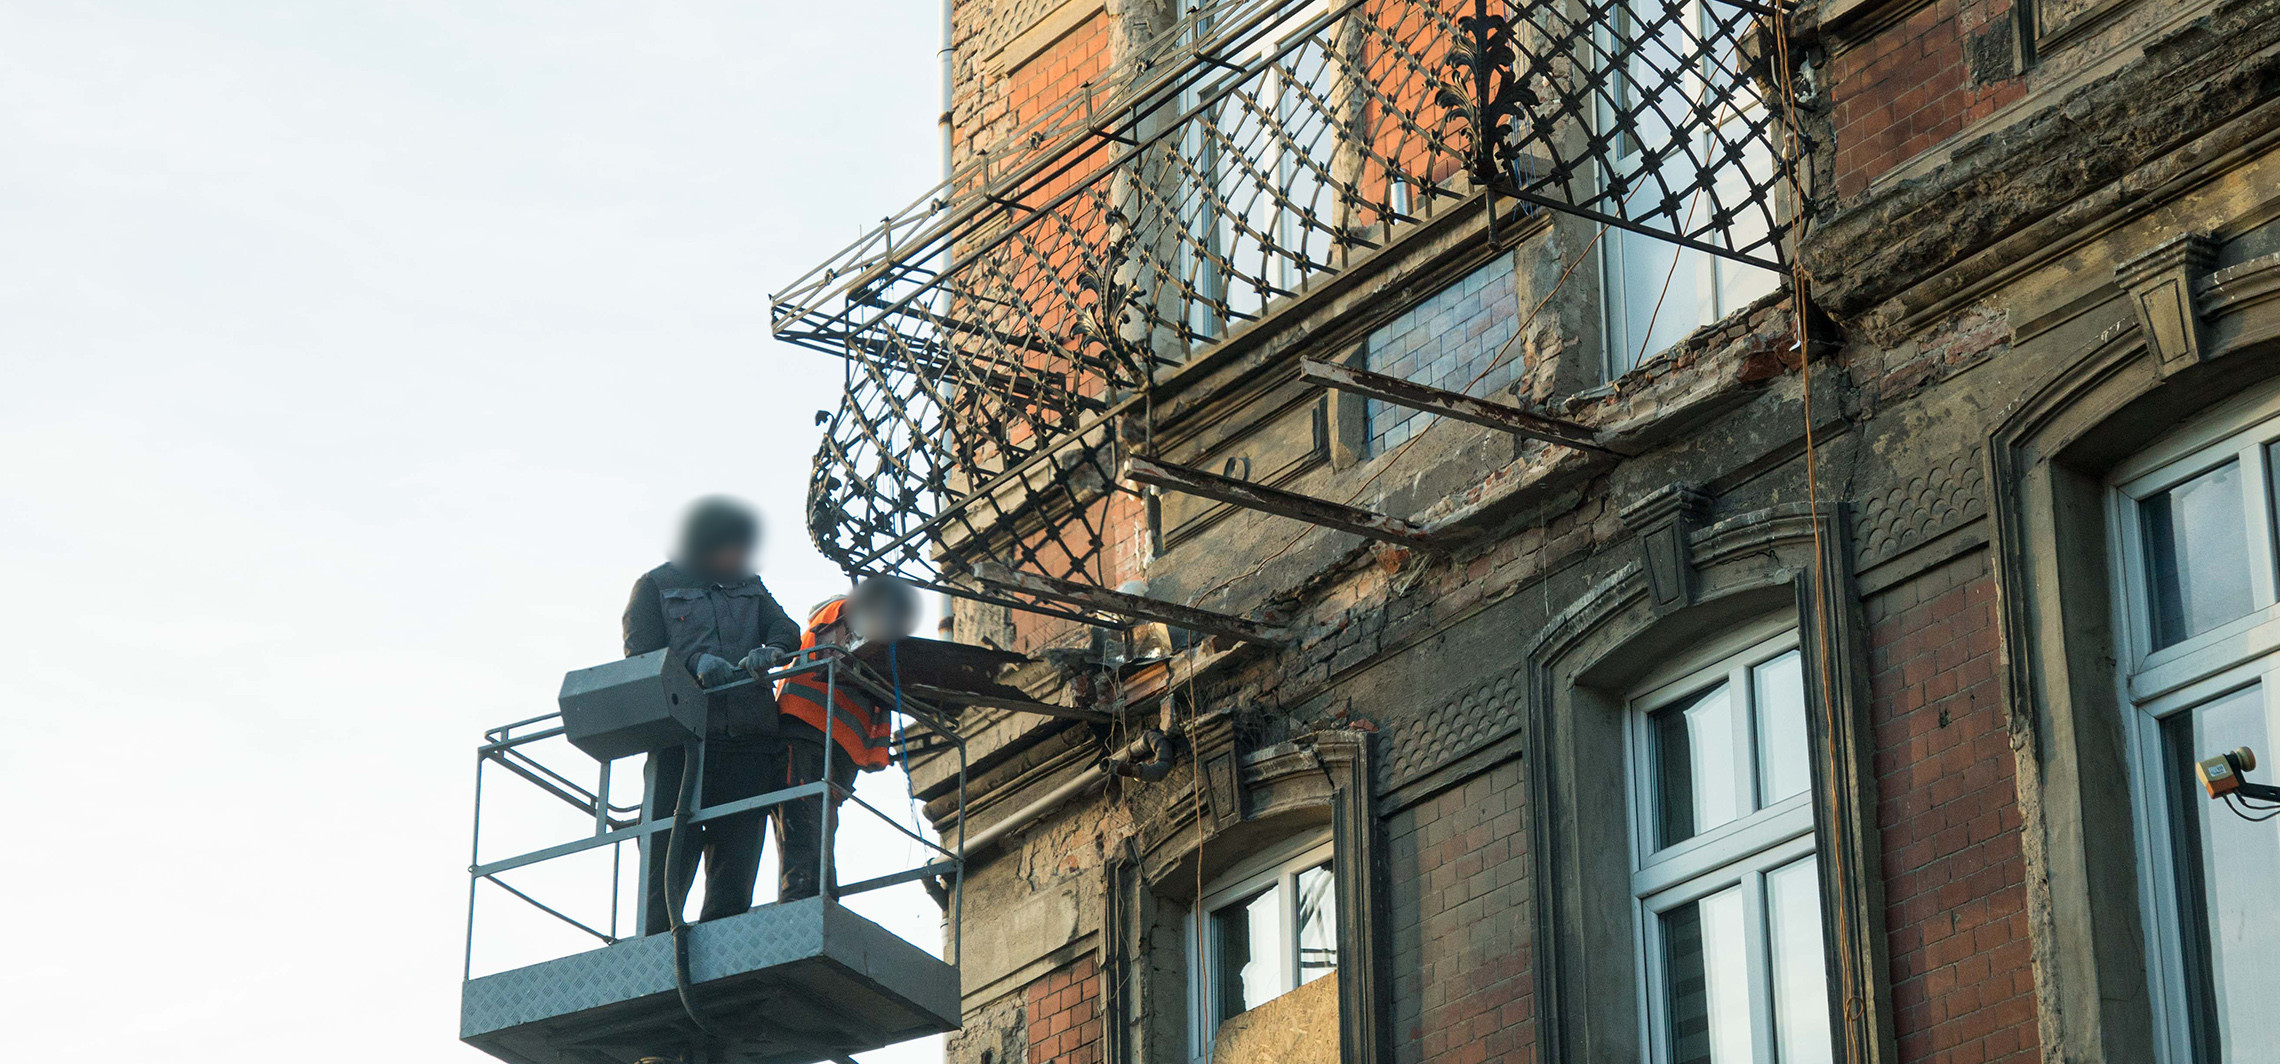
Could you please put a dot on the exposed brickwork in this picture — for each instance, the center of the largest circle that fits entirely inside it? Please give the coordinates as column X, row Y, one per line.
column 1904, row 81
column 985, row 110
column 1918, row 82
column 1954, row 878
column 1058, row 70
column 1064, row 1015
column 1949, row 347
column 1448, row 341
column 1463, row 985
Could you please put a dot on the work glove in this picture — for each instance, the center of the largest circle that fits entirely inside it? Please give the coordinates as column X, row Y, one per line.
column 713, row 670
column 764, row 659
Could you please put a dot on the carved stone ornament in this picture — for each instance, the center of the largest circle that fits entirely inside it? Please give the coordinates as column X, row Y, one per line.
column 1663, row 521
column 2160, row 286
column 1213, row 736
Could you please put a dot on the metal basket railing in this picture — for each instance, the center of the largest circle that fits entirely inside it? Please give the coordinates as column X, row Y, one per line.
column 531, row 751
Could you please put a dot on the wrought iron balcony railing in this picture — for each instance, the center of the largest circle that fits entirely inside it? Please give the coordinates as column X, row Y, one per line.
column 994, row 330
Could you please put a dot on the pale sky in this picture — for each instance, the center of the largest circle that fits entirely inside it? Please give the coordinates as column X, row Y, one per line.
column 354, row 359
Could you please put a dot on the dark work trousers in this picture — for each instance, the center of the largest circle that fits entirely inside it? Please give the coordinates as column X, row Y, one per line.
column 800, row 828
column 730, row 846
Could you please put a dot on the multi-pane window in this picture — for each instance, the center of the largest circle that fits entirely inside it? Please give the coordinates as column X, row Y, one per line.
column 1259, row 203
column 1726, row 875
column 1267, row 930
column 1656, row 291
column 2193, row 518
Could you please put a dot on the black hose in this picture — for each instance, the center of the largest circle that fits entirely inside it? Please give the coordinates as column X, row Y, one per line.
column 691, row 755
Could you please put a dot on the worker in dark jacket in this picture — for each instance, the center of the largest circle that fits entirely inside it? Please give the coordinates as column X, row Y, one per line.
column 724, row 625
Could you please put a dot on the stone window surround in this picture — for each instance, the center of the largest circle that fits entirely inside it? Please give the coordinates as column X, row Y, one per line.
column 1250, row 801
column 1580, row 671
column 2125, row 372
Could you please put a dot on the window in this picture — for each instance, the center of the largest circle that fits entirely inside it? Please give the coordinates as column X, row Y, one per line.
column 1259, row 208
column 1266, row 930
column 1656, row 291
column 2193, row 519
column 1725, row 873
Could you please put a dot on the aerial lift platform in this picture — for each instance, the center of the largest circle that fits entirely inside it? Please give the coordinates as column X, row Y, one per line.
column 794, row 982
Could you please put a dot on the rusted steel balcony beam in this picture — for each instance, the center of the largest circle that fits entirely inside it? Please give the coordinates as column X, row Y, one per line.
column 1367, row 523
column 1456, row 405
column 1103, row 600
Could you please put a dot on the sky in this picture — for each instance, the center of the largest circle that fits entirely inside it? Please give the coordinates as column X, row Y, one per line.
column 354, row 359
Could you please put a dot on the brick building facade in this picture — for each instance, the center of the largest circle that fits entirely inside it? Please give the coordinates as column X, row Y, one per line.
column 1673, row 750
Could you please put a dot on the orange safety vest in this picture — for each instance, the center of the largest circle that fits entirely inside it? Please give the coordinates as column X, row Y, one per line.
column 861, row 728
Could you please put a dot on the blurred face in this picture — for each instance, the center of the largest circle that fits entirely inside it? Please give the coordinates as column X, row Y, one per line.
column 730, row 560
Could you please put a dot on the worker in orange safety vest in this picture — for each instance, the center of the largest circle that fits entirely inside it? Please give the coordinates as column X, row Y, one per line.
column 861, row 731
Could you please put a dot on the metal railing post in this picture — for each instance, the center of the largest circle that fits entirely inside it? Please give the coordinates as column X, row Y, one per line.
column 648, row 830
column 958, row 897
column 474, row 858
column 602, row 802
column 830, row 717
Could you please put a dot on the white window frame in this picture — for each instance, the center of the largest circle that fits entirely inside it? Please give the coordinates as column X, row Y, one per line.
column 2192, row 672
column 1278, row 865
column 1739, row 852
column 1698, row 288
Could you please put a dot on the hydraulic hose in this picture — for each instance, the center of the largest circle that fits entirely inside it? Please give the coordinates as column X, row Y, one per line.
column 691, row 753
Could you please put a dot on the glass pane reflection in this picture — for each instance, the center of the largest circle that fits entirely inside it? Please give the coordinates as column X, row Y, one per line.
column 1800, row 975
column 2196, row 554
column 1707, row 991
column 1783, row 767
column 2226, row 868
column 1317, row 924
column 1697, row 785
column 1243, row 936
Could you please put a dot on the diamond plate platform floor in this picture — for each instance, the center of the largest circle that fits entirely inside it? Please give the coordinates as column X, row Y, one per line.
column 790, row 983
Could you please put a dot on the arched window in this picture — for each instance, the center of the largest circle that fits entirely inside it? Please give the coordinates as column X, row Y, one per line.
column 1702, row 806
column 1724, row 867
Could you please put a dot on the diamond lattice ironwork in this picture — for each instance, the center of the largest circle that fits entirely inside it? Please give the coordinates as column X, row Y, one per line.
column 994, row 332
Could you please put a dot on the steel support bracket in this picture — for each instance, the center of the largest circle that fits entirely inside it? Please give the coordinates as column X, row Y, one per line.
column 1456, row 405
column 1367, row 523
column 1103, row 600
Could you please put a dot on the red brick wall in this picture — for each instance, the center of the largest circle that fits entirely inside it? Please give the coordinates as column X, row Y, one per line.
column 1911, row 85
column 1463, row 985
column 1057, row 71
column 1954, row 880
column 1064, row 1015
